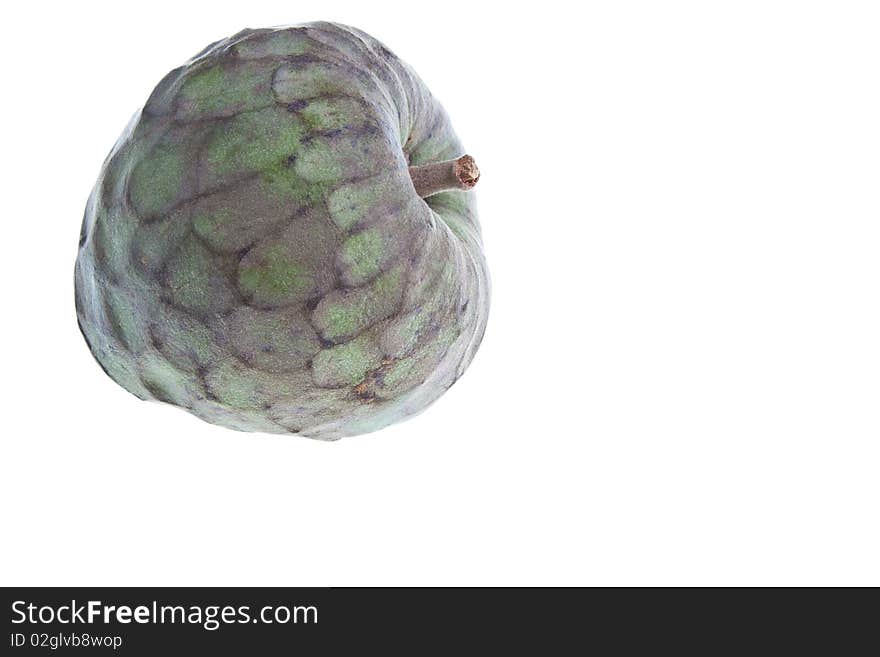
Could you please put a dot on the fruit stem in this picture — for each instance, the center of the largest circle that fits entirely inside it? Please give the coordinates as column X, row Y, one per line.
column 444, row 176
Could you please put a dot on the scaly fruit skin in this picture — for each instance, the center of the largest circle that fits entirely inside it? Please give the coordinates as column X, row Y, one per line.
column 254, row 250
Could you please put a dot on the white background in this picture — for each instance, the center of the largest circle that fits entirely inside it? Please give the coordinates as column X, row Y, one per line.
column 680, row 383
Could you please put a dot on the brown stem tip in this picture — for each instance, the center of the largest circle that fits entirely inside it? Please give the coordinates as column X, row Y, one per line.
column 438, row 177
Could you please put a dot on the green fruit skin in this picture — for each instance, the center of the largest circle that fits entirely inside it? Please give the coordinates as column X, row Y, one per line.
column 254, row 250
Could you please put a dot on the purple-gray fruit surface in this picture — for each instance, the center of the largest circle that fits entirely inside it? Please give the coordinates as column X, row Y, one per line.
column 284, row 239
